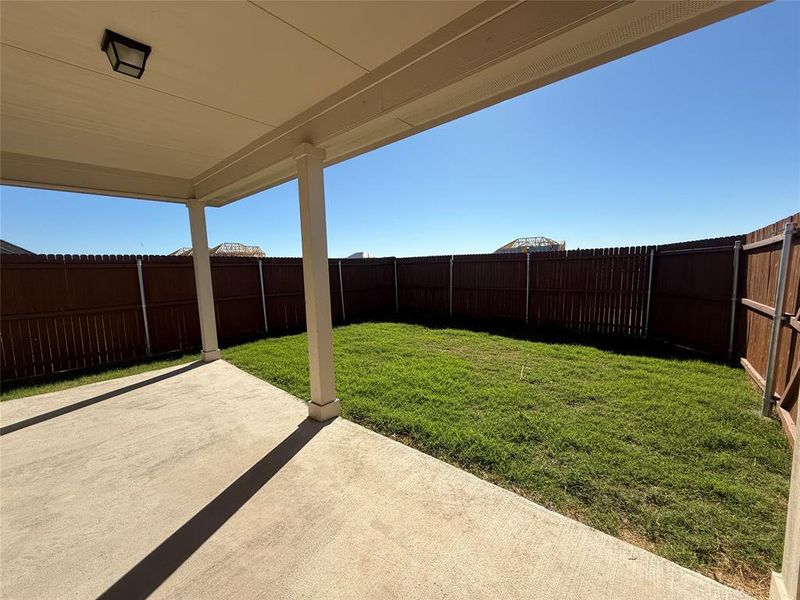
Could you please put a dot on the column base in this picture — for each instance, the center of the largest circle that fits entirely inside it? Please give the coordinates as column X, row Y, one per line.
column 777, row 588
column 323, row 412
column 210, row 355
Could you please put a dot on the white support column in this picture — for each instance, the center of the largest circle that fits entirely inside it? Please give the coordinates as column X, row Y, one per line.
column 316, row 279
column 786, row 584
column 202, row 280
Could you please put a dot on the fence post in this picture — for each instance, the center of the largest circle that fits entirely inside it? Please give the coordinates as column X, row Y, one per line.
column 144, row 307
column 341, row 290
column 649, row 294
column 777, row 319
column 396, row 297
column 527, row 285
column 263, row 296
column 734, row 293
column 451, row 285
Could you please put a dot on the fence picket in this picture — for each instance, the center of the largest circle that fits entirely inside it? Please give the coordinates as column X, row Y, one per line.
column 69, row 312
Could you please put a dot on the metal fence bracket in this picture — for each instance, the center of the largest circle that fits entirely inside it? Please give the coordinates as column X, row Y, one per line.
column 737, row 247
column 649, row 294
column 263, row 296
column 147, row 348
column 527, row 285
column 451, row 286
column 396, row 295
column 341, row 291
column 777, row 317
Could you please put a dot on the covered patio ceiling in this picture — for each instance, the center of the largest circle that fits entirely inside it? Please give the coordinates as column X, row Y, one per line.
column 232, row 88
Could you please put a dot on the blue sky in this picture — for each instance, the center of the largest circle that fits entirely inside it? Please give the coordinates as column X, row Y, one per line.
column 695, row 138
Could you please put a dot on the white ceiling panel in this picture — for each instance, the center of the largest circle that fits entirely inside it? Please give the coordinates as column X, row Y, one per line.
column 44, row 91
column 368, row 33
column 232, row 87
column 55, row 140
column 232, row 55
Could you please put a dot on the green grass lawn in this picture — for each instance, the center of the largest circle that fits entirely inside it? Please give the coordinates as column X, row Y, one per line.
column 666, row 453
column 63, row 382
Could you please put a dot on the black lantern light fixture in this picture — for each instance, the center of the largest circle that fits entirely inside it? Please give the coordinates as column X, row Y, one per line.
column 127, row 56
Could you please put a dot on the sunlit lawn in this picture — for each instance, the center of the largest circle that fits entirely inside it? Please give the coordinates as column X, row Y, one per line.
column 669, row 454
column 62, row 382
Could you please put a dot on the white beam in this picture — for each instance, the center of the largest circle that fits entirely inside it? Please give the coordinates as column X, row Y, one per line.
column 493, row 52
column 202, row 280
column 316, row 279
column 24, row 170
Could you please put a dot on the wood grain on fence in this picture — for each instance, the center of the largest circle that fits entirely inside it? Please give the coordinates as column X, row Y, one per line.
column 596, row 291
column 283, row 288
column 423, row 285
column 62, row 313
column 171, row 303
column 488, row 286
column 692, row 297
column 760, row 266
column 368, row 287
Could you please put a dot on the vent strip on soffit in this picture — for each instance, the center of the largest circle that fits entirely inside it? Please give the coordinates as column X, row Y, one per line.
column 600, row 44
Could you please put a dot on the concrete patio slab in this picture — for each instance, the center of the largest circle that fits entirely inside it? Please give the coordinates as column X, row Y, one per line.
column 205, row 482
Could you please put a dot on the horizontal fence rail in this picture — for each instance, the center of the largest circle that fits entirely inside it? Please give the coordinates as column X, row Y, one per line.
column 769, row 325
column 69, row 312
column 62, row 313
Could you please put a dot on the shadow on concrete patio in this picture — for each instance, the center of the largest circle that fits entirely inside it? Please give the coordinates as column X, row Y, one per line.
column 164, row 495
column 144, row 578
column 90, row 401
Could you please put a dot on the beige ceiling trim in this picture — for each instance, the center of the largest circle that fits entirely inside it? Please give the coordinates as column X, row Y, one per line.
column 369, row 33
column 309, row 36
column 526, row 59
column 503, row 81
column 453, row 30
column 137, row 83
column 280, row 172
column 523, row 27
column 227, row 54
column 590, row 45
column 442, row 108
column 497, row 37
column 492, row 52
column 80, row 98
column 33, row 171
column 365, row 138
column 118, row 149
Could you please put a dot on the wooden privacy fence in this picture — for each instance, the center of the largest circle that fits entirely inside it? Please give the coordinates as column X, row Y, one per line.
column 769, row 330
column 720, row 296
column 677, row 293
column 68, row 312
column 692, row 295
column 599, row 291
column 61, row 313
